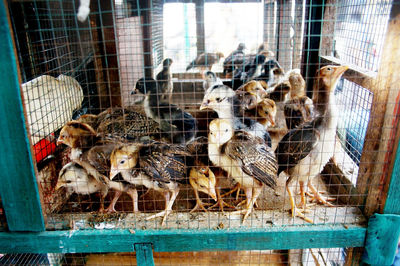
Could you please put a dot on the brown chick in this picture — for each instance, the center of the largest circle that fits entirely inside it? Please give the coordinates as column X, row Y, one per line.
column 201, row 177
column 205, row 61
column 78, row 136
column 298, row 108
column 252, row 93
column 246, row 159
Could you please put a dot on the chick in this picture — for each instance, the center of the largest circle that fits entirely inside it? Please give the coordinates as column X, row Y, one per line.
column 201, row 177
column 247, row 160
column 225, row 102
column 155, row 165
column 252, row 93
column 164, row 79
column 99, row 158
column 272, row 73
column 235, row 59
column 75, row 178
column 129, row 126
column 205, row 61
column 178, row 125
column 253, row 69
column 266, row 113
column 304, row 151
column 298, row 108
column 210, row 79
column 78, row 136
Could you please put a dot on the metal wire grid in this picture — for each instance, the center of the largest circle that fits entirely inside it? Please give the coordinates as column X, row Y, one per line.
column 360, row 28
column 131, row 66
column 333, row 256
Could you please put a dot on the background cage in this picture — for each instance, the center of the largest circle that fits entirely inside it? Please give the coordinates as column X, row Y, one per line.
column 122, row 41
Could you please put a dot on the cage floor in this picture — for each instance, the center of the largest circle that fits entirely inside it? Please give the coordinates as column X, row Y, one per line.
column 202, row 220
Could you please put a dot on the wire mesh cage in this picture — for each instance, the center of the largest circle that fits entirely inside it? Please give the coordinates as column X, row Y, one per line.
column 217, row 115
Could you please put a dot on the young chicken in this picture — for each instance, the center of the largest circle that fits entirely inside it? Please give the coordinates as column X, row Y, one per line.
column 78, row 136
column 201, row 177
column 99, row 158
column 272, row 73
column 225, row 102
column 205, row 61
column 252, row 93
column 75, row 178
column 155, row 165
column 256, row 105
column 304, row 151
column 164, row 79
column 247, row 160
column 129, row 126
column 266, row 113
column 235, row 59
column 210, row 79
column 253, row 69
column 298, row 108
column 178, row 125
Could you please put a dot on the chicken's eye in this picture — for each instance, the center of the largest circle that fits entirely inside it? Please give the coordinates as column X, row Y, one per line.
column 202, row 186
column 329, row 69
column 68, row 181
column 122, row 162
column 218, row 99
column 226, row 130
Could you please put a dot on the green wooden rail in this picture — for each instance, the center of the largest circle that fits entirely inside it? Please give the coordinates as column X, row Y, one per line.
column 21, row 202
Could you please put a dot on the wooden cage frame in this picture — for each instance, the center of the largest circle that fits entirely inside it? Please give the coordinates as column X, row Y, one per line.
column 22, row 204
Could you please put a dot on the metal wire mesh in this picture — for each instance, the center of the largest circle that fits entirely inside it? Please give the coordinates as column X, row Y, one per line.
column 123, row 41
column 334, row 256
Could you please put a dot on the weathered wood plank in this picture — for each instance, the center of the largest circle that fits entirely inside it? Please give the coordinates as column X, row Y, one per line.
column 374, row 163
column 91, row 241
column 19, row 189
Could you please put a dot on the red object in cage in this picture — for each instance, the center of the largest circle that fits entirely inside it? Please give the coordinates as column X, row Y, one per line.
column 43, row 148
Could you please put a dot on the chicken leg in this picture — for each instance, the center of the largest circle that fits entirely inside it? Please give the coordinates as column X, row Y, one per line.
column 169, row 202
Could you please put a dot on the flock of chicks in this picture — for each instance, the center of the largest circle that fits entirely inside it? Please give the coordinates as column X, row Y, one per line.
column 159, row 149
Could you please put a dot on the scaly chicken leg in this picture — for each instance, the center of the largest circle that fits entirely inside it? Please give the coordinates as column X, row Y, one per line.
column 169, row 202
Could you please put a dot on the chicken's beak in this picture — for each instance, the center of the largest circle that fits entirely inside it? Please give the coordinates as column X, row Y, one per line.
column 212, row 193
column 271, row 119
column 59, row 142
column 340, row 70
column 204, row 105
column 113, row 173
column 59, row 185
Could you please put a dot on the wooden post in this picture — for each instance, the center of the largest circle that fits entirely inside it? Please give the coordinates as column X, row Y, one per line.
column 328, row 28
column 19, row 189
column 200, row 31
column 374, row 165
column 285, row 41
column 310, row 57
column 144, row 254
column 270, row 18
column 298, row 38
column 145, row 14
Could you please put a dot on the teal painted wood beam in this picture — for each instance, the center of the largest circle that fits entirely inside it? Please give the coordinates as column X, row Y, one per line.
column 392, row 205
column 144, row 254
column 18, row 190
column 90, row 241
column 382, row 239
